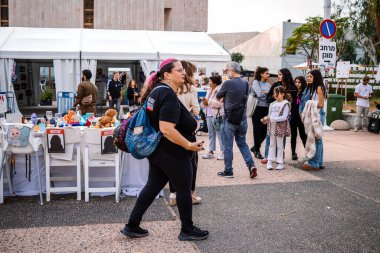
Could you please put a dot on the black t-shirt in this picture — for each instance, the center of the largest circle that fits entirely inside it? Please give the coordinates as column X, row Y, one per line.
column 163, row 105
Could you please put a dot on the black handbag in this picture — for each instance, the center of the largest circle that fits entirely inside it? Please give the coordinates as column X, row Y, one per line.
column 218, row 121
column 235, row 116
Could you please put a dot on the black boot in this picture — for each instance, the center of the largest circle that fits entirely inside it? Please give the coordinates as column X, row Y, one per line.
column 294, row 157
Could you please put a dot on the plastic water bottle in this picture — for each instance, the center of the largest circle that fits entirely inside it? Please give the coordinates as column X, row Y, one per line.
column 33, row 118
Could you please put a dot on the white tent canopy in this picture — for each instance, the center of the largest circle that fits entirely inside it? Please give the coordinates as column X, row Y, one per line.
column 41, row 43
column 71, row 48
column 98, row 44
column 117, row 45
column 304, row 65
column 191, row 46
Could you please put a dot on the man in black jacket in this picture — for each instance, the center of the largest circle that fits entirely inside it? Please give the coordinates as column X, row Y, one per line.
column 114, row 91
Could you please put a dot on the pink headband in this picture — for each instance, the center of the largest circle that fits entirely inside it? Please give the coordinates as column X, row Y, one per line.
column 166, row 61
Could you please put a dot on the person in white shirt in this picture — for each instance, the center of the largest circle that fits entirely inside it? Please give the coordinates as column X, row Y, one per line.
column 277, row 121
column 363, row 92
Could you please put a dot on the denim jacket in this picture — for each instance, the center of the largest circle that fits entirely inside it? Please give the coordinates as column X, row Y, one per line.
column 304, row 98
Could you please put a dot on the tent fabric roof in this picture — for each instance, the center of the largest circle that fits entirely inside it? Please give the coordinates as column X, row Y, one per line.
column 42, row 43
column 194, row 46
column 60, row 43
column 117, row 45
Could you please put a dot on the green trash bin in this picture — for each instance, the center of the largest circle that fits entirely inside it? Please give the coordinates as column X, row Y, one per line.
column 334, row 108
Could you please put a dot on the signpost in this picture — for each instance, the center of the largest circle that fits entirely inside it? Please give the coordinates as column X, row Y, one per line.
column 327, row 49
column 327, row 54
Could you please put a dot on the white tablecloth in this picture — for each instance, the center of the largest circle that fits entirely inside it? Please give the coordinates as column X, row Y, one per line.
column 135, row 175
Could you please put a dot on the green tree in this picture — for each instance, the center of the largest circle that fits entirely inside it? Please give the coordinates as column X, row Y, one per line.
column 238, row 57
column 365, row 24
column 305, row 38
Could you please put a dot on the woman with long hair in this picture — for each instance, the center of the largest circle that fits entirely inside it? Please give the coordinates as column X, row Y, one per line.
column 213, row 107
column 187, row 94
column 172, row 158
column 295, row 120
column 260, row 89
column 317, row 94
column 132, row 94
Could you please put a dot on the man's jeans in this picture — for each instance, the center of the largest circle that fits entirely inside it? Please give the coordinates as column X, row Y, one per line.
column 211, row 134
column 229, row 131
column 360, row 110
column 115, row 104
column 317, row 160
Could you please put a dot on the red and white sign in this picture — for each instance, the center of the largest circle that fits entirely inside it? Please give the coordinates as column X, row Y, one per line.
column 327, row 28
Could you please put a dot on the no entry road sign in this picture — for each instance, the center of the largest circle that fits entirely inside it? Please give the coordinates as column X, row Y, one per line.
column 327, row 28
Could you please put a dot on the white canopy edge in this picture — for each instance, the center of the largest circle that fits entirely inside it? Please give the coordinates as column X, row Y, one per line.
column 42, row 43
column 98, row 44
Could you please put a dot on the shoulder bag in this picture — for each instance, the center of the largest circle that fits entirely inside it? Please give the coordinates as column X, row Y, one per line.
column 282, row 129
column 252, row 103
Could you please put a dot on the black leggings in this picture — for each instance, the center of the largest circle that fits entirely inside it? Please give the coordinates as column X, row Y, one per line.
column 259, row 129
column 164, row 167
column 194, row 165
column 296, row 123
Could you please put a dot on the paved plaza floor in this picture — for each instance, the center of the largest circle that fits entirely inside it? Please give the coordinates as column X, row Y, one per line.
column 333, row 210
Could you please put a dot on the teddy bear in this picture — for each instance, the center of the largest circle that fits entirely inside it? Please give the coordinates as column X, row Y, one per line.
column 108, row 119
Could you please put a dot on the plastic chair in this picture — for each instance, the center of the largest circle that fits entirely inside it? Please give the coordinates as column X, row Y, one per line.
column 72, row 141
column 8, row 180
column 15, row 147
column 93, row 157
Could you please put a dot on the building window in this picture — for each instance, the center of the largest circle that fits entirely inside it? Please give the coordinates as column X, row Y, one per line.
column 4, row 15
column 167, row 12
column 88, row 14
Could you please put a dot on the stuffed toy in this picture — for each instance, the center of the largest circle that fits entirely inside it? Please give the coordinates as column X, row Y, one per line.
column 108, row 119
column 68, row 116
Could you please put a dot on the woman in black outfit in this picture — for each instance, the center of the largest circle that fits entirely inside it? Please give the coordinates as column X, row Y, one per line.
column 132, row 93
column 260, row 88
column 295, row 120
column 172, row 158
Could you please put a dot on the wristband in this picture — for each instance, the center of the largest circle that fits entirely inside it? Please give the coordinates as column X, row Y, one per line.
column 188, row 146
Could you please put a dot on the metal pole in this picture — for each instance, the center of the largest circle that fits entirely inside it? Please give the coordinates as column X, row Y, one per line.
column 327, row 9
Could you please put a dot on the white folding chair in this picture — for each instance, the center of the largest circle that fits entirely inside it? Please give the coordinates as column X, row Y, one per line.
column 30, row 147
column 6, row 170
column 69, row 158
column 93, row 157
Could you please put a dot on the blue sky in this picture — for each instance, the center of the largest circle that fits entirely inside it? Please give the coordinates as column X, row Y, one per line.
column 258, row 15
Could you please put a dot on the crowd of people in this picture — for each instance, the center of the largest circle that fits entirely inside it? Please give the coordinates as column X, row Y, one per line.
column 289, row 107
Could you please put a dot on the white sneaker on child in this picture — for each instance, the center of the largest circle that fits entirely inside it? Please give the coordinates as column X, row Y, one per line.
column 270, row 165
column 221, row 157
column 172, row 199
column 280, row 166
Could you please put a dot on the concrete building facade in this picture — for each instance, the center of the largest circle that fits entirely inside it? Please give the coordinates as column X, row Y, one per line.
column 160, row 15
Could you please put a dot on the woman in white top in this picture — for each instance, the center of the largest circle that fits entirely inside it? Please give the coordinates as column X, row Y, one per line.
column 188, row 96
column 317, row 93
column 213, row 108
column 277, row 121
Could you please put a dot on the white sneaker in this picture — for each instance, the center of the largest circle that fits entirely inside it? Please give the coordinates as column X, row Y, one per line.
column 280, row 166
column 172, row 199
column 270, row 165
column 221, row 157
column 208, row 156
